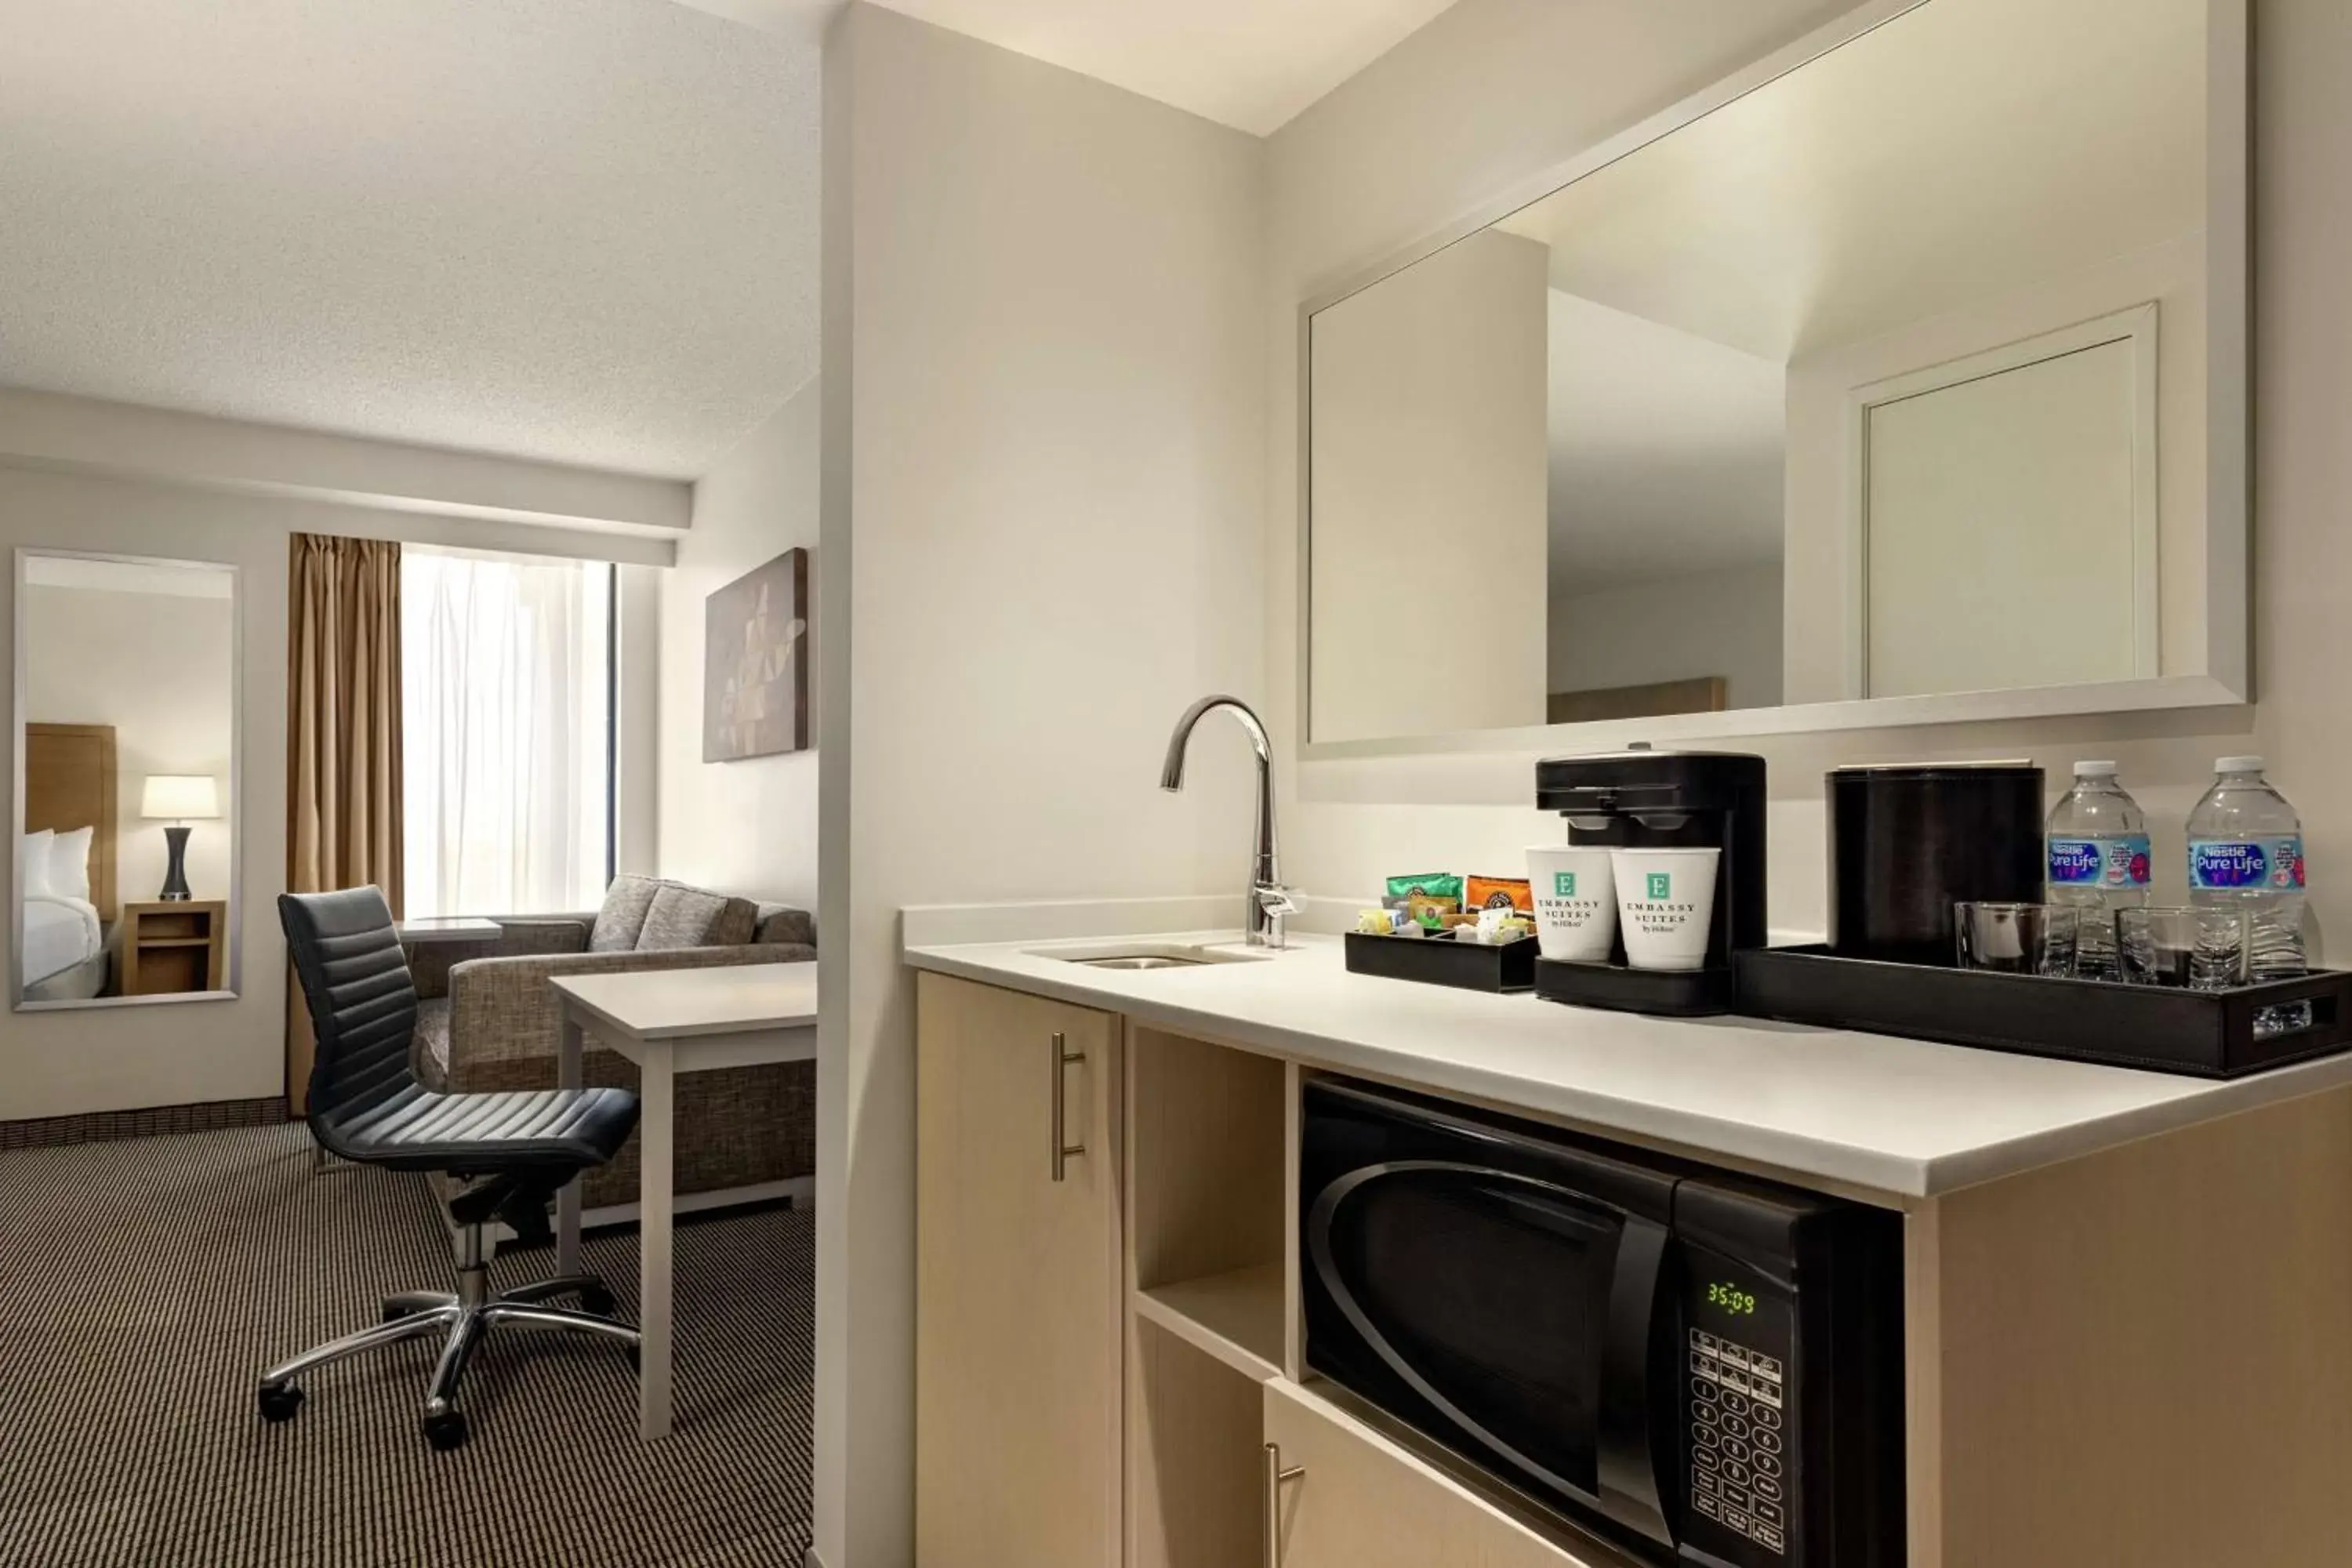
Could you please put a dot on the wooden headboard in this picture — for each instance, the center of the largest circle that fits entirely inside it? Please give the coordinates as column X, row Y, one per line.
column 69, row 783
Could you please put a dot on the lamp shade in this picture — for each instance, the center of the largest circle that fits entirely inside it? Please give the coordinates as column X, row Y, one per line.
column 178, row 795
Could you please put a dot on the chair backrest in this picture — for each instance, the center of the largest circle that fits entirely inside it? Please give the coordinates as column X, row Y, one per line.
column 363, row 1003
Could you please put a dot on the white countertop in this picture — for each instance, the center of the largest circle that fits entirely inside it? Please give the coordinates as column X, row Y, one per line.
column 1904, row 1118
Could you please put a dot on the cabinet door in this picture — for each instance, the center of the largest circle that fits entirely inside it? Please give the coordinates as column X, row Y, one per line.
column 1017, row 1281
column 1360, row 1502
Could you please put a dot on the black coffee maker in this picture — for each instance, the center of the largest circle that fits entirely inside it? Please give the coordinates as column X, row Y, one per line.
column 1640, row 798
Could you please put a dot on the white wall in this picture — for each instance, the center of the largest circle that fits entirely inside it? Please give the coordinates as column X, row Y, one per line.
column 1495, row 91
column 82, row 1060
column 1040, row 535
column 748, row 827
column 60, row 1064
column 1431, row 460
column 1673, row 628
column 158, row 668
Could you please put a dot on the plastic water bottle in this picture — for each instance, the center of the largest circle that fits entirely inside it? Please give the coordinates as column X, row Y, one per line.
column 2098, row 859
column 2245, row 852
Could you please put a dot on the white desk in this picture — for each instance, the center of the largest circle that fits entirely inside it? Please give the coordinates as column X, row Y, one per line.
column 670, row 1021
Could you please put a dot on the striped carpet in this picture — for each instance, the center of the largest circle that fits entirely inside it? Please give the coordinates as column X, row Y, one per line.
column 143, row 1285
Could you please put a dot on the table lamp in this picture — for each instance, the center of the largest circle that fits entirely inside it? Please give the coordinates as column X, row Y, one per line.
column 176, row 797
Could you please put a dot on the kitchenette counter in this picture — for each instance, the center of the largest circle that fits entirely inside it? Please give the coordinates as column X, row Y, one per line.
column 1903, row 1118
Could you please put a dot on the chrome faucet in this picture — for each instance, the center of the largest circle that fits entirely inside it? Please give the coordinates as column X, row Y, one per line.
column 1268, row 900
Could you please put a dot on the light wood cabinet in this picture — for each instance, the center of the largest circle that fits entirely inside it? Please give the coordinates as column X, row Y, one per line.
column 1104, row 1358
column 1359, row 1501
column 1019, row 1282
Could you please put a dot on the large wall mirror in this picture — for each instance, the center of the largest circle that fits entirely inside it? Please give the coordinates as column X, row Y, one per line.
column 1900, row 379
column 126, row 883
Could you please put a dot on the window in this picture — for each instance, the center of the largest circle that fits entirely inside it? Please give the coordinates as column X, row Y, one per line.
column 506, row 720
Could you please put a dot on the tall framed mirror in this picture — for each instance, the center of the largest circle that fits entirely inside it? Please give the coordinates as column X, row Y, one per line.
column 125, row 870
column 1898, row 379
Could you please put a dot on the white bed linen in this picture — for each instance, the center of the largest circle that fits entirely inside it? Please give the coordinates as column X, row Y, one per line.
column 58, row 934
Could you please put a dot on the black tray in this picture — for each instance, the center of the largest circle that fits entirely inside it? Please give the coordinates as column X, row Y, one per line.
column 2201, row 1034
column 1669, row 992
column 1441, row 961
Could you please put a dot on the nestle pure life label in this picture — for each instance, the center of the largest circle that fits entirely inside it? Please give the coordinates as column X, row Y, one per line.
column 2112, row 863
column 2244, row 865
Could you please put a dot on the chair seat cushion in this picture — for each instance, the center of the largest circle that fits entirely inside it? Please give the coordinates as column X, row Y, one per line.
column 484, row 1134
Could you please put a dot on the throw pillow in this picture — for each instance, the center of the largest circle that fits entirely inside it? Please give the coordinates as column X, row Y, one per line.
column 734, row 925
column 623, row 917
column 779, row 926
column 33, row 860
column 69, row 864
column 684, row 917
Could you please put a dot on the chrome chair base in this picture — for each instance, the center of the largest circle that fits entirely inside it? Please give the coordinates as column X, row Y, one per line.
column 462, row 1317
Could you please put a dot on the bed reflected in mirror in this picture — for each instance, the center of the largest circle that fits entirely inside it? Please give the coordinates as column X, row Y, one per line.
column 125, row 863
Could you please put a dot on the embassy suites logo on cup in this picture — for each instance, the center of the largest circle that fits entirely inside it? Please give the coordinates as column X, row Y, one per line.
column 1576, row 903
column 1666, row 900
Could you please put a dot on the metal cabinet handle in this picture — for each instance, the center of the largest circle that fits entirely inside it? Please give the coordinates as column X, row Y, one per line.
column 1063, row 1147
column 1275, row 1479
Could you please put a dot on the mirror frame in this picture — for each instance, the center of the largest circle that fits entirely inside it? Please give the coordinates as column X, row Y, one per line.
column 2227, row 680
column 232, row 960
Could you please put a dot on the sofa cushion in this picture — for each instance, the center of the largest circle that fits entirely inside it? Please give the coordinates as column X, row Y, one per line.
column 779, row 924
column 623, row 919
column 688, row 917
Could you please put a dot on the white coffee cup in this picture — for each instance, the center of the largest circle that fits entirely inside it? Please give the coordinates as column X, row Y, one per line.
column 1666, row 900
column 1576, row 904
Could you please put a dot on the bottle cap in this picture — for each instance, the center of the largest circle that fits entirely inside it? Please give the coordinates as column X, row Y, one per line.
column 2237, row 764
column 2094, row 770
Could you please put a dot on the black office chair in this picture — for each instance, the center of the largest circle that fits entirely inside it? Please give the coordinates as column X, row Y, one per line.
column 514, row 1149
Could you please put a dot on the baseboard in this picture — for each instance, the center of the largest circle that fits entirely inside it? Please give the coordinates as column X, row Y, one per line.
column 149, row 1122
column 811, row 1559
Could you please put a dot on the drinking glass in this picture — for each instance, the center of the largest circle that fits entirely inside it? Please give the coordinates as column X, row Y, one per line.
column 2017, row 938
column 2197, row 949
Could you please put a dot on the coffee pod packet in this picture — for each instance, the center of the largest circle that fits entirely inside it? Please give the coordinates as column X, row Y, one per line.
column 1501, row 893
column 1433, row 912
column 1434, row 885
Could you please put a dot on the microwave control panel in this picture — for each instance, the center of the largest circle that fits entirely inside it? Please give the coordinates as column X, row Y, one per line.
column 1738, row 1408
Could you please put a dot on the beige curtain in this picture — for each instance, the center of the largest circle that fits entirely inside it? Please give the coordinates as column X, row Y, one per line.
column 343, row 737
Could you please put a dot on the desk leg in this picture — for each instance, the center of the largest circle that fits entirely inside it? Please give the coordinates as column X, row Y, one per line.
column 653, row 1198
column 567, row 1046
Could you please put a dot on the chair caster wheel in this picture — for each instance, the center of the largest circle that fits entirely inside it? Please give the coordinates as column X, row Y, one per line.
column 596, row 1300
column 280, row 1403
column 446, row 1431
column 393, row 1312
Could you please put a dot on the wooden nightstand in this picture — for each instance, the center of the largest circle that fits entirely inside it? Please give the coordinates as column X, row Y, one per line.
column 174, row 947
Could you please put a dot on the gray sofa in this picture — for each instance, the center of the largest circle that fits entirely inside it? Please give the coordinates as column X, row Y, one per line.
column 487, row 1020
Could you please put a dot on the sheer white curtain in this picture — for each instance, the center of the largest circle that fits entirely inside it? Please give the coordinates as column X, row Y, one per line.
column 504, row 669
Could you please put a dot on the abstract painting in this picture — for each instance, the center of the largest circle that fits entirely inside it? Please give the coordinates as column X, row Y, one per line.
column 755, row 663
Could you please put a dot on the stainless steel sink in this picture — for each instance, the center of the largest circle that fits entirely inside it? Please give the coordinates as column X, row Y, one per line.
column 1145, row 955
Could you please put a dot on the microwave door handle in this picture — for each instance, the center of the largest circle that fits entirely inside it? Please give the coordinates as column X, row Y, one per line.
column 1630, row 1458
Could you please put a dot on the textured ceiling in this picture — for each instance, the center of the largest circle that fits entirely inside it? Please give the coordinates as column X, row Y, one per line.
column 1249, row 64
column 578, row 230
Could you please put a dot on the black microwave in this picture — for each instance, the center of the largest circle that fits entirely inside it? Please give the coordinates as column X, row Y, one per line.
column 1700, row 1367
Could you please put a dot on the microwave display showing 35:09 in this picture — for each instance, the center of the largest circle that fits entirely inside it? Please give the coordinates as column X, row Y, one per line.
column 1731, row 1298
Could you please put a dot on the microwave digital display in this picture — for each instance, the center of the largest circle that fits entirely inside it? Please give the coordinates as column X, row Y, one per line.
column 1731, row 1298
